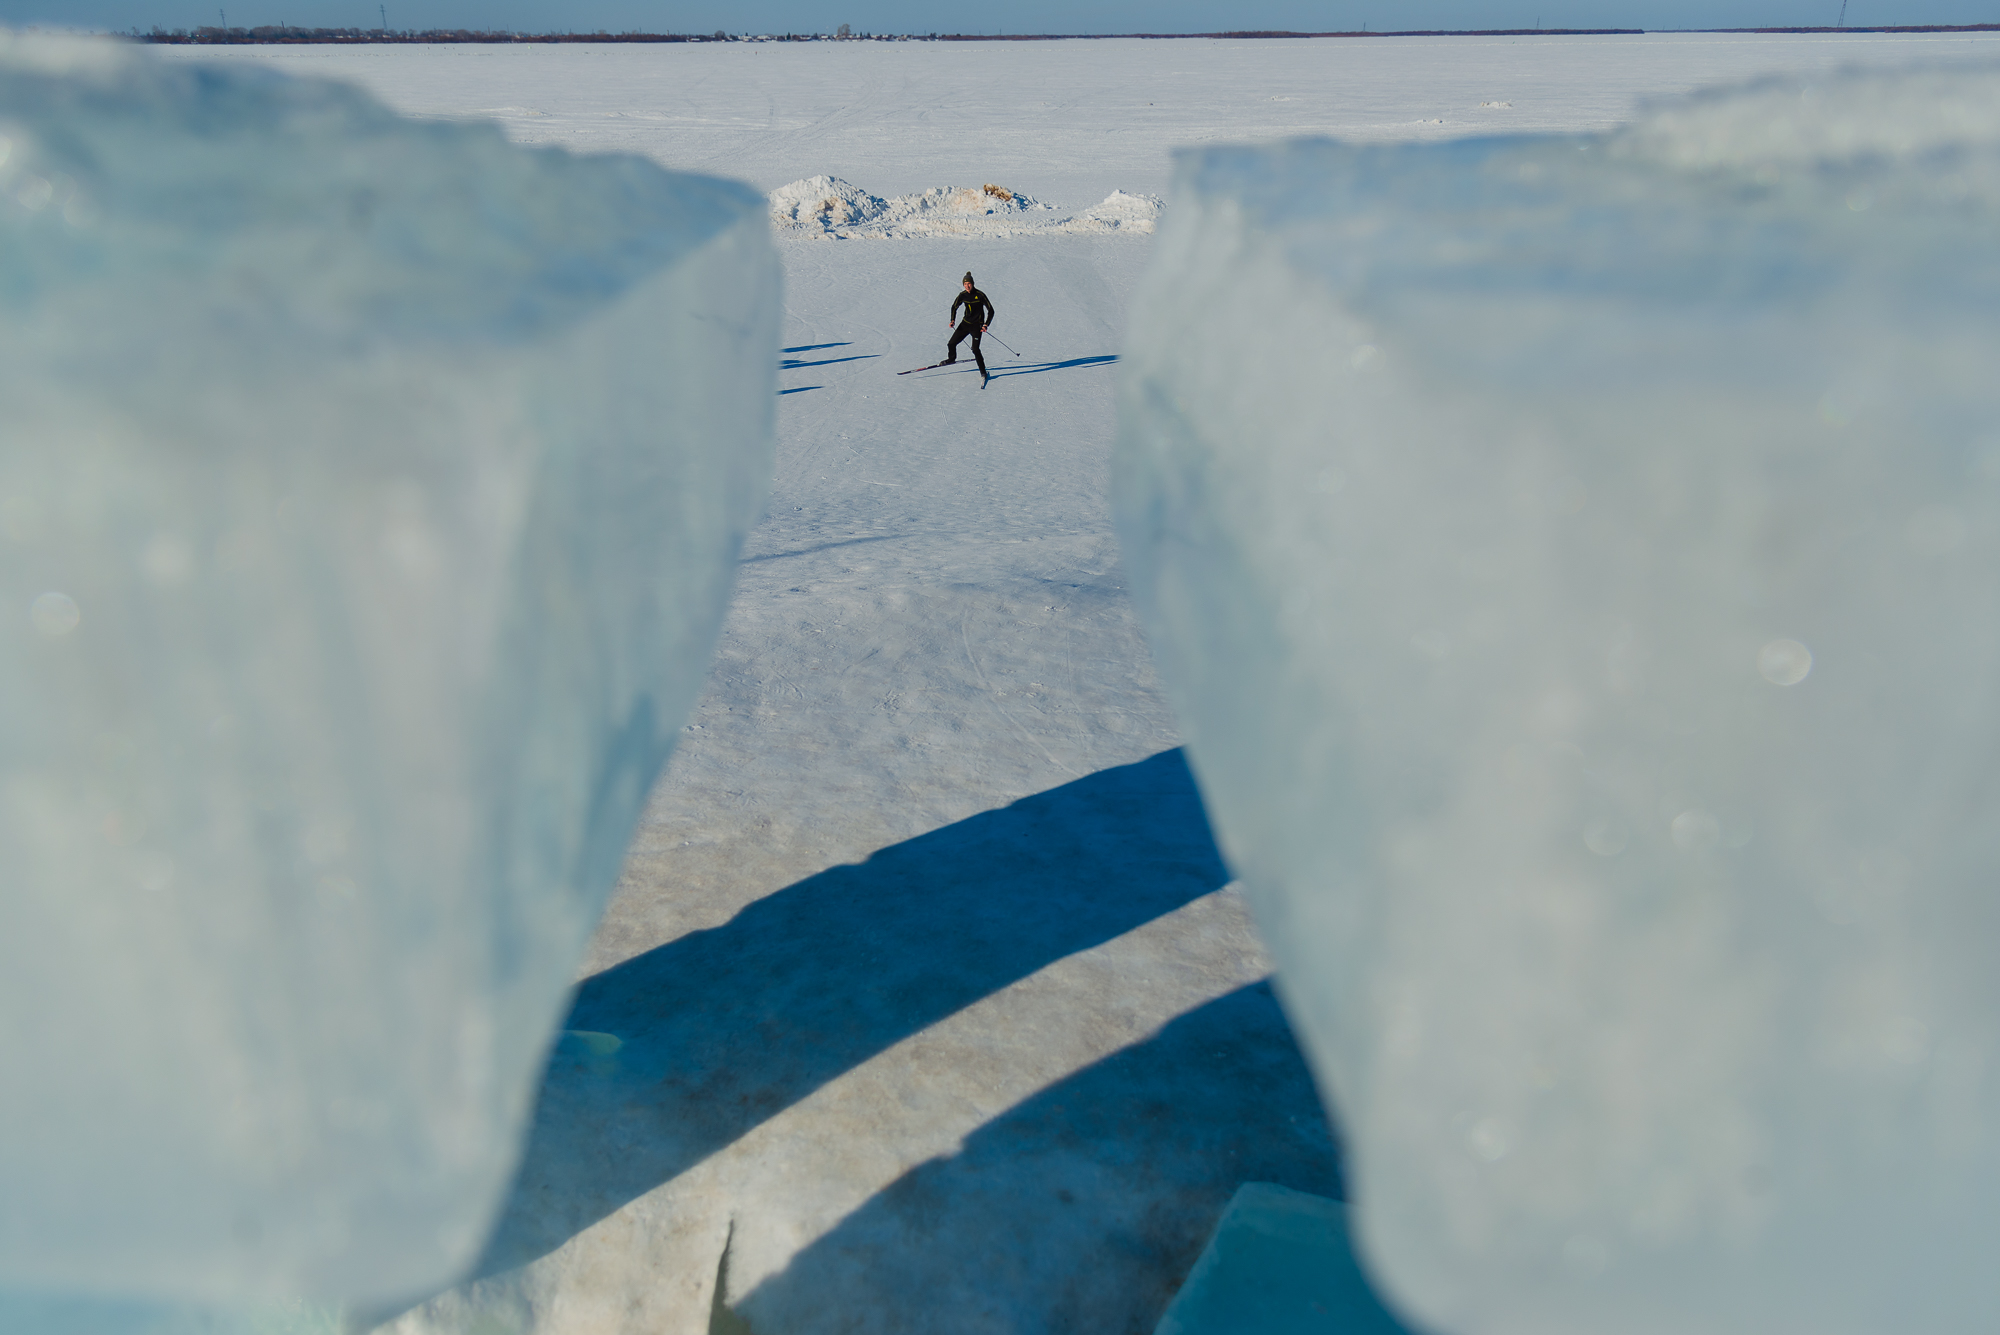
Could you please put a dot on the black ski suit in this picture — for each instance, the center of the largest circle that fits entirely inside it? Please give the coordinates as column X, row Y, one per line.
column 973, row 324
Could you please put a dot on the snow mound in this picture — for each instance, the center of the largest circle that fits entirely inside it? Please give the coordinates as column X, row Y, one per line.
column 369, row 503
column 1590, row 669
column 825, row 203
column 829, row 207
column 963, row 211
column 1121, row 212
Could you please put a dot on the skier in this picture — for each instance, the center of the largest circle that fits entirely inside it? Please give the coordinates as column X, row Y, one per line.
column 973, row 324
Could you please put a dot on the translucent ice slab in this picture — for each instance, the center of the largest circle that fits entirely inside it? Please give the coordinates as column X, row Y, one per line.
column 369, row 496
column 1574, row 561
column 1280, row 1263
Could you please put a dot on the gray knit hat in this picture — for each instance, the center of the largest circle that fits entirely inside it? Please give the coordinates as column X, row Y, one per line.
column 968, row 276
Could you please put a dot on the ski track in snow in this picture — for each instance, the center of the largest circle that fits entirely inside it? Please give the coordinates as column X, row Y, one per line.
column 931, row 623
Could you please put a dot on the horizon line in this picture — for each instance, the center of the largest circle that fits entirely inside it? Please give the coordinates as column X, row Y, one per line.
column 287, row 35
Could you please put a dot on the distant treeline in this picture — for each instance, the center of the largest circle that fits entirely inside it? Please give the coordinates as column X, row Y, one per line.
column 356, row 36
column 1886, row 27
column 283, row 34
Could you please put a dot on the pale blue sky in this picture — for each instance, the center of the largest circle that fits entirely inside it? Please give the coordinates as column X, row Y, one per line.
column 1015, row 16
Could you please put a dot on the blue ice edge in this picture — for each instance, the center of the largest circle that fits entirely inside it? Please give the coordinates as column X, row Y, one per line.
column 1280, row 1263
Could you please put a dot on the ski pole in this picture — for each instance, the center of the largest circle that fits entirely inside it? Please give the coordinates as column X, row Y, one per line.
column 996, row 339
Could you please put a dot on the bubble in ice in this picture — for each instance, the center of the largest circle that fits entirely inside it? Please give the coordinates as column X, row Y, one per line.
column 1784, row 662
column 1696, row 831
column 168, row 561
column 1489, row 1140
column 1606, row 837
column 55, row 614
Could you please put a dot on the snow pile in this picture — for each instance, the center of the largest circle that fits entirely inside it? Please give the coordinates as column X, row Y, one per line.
column 826, row 203
column 1573, row 560
column 830, row 207
column 1122, row 212
column 370, row 499
column 962, row 211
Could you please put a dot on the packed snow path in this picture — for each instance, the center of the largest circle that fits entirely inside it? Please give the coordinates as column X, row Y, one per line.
column 1011, row 1065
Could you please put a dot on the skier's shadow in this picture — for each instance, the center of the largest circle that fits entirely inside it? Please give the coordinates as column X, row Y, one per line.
column 1036, row 368
column 678, row 1052
column 999, row 368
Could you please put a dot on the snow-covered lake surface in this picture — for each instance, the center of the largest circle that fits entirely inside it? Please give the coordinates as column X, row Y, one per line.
column 923, row 988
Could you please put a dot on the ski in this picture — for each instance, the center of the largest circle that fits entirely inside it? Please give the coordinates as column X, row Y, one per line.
column 932, row 367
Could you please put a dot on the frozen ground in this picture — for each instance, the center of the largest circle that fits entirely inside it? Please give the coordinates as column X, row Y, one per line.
column 922, row 993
